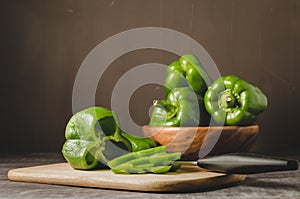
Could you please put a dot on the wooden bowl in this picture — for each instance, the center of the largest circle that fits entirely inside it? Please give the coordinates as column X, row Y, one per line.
column 195, row 142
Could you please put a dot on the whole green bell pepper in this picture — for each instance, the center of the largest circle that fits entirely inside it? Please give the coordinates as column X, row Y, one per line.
column 181, row 108
column 233, row 101
column 187, row 71
column 93, row 137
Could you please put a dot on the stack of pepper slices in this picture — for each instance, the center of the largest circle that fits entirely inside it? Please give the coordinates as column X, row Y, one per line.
column 95, row 140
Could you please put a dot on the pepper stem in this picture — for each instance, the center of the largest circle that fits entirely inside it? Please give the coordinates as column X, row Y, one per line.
column 226, row 100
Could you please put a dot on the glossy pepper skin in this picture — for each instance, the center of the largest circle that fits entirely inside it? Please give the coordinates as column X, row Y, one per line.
column 187, row 72
column 181, row 108
column 233, row 101
column 93, row 137
column 154, row 160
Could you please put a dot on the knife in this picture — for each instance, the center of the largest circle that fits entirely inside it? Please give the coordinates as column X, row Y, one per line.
column 243, row 163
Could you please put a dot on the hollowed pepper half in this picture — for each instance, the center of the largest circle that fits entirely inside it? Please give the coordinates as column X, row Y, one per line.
column 233, row 101
column 93, row 138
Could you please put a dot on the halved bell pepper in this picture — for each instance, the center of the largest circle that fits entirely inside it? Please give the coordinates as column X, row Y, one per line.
column 93, row 137
column 233, row 101
column 181, row 108
column 187, row 71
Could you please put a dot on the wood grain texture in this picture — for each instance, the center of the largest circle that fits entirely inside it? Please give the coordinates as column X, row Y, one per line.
column 186, row 179
column 189, row 140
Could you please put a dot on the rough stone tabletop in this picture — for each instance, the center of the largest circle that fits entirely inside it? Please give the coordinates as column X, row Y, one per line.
column 268, row 185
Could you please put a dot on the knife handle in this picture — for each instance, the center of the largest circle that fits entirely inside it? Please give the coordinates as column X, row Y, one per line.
column 241, row 163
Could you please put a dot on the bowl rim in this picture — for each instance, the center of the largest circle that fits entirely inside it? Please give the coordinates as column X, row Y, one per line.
column 200, row 127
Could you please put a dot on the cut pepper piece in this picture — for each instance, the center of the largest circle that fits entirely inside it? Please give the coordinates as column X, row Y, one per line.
column 94, row 134
column 155, row 160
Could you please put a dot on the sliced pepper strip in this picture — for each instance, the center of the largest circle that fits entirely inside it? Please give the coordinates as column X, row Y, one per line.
column 155, row 160
column 132, row 156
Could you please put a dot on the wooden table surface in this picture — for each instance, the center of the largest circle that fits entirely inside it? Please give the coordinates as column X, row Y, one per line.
column 268, row 185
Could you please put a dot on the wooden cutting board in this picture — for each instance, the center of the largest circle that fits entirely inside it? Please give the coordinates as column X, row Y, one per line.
column 186, row 179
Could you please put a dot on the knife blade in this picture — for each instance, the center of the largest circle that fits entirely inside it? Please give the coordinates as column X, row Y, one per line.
column 243, row 163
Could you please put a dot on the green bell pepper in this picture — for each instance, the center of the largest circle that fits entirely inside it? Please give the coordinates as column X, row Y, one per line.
column 187, row 71
column 93, row 137
column 154, row 160
column 233, row 101
column 181, row 108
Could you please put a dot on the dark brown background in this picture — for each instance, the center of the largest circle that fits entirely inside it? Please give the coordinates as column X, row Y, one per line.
column 44, row 42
